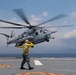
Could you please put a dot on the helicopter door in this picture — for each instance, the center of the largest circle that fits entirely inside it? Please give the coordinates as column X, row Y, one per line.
column 38, row 34
column 39, row 37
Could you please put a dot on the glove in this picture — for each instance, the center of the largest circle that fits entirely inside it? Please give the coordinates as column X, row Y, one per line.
column 32, row 46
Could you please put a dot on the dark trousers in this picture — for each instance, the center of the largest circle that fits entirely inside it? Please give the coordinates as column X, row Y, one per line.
column 25, row 59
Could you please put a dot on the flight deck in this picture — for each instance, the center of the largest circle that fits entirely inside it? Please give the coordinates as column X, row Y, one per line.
column 42, row 66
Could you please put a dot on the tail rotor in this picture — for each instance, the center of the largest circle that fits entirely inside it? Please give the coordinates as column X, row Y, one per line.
column 8, row 36
column 12, row 34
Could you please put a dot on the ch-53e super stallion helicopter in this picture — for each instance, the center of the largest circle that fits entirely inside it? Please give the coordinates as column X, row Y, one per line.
column 35, row 33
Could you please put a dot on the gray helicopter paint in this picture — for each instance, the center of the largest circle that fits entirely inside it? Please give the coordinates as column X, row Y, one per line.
column 36, row 37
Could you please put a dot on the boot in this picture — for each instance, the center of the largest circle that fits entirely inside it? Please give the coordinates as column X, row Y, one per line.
column 30, row 68
column 22, row 68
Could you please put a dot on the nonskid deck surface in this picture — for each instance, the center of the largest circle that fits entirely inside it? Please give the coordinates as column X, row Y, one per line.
column 42, row 66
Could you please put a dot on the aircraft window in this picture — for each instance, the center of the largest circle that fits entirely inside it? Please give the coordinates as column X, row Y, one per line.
column 24, row 33
column 40, row 31
column 18, row 35
column 44, row 32
column 36, row 33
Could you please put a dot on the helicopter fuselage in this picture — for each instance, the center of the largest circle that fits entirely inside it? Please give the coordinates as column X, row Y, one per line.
column 38, row 36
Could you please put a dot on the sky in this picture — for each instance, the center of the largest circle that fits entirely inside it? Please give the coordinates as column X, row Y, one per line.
column 38, row 11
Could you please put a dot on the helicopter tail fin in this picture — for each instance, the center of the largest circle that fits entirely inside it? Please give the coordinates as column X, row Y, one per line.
column 7, row 36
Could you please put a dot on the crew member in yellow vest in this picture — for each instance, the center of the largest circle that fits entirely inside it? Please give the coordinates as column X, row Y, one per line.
column 25, row 54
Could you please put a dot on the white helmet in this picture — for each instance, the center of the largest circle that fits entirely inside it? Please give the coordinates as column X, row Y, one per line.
column 26, row 41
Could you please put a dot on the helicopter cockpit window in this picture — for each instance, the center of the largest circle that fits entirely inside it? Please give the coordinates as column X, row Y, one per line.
column 36, row 33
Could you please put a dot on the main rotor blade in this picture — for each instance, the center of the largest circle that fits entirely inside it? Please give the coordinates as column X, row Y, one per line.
column 21, row 14
column 53, row 19
column 59, row 26
column 12, row 23
column 11, row 27
column 63, row 26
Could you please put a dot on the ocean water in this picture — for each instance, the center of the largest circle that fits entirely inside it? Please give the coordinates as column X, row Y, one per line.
column 42, row 55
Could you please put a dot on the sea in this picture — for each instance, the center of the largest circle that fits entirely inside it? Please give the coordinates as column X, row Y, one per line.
column 41, row 55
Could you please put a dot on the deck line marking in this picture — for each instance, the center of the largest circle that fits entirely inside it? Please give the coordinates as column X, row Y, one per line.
column 37, row 62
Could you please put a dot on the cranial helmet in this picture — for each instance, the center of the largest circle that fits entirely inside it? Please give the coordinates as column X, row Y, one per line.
column 26, row 41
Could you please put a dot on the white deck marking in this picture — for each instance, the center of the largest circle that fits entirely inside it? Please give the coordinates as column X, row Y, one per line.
column 37, row 62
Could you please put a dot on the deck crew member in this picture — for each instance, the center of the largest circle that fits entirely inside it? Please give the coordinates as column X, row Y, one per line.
column 25, row 54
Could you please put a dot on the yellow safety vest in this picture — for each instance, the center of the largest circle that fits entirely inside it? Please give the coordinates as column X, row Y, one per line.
column 26, row 47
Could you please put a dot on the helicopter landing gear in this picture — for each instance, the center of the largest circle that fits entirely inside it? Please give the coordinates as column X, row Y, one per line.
column 46, row 38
